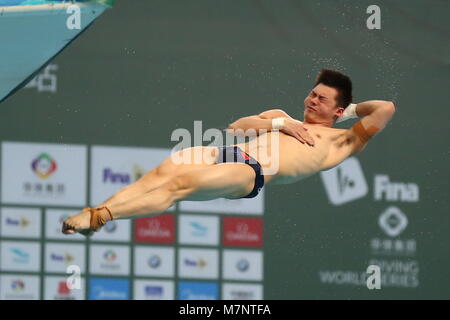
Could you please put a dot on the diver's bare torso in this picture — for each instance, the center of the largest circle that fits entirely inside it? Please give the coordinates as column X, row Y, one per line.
column 296, row 160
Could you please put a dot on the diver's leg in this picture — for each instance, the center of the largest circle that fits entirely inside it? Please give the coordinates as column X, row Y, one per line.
column 225, row 180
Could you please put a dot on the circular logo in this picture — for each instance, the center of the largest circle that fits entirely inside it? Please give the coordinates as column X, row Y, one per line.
column 243, row 265
column 110, row 255
column 17, row 285
column 43, row 166
column 110, row 226
column 154, row 262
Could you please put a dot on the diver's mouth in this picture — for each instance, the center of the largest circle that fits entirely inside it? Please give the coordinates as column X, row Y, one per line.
column 310, row 108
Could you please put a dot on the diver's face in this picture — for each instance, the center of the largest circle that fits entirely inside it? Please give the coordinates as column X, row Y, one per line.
column 321, row 105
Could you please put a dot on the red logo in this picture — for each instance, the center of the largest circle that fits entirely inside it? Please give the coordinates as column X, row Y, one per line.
column 246, row 157
column 63, row 288
column 160, row 229
column 243, row 232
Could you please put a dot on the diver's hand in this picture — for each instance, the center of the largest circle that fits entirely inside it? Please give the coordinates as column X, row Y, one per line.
column 296, row 129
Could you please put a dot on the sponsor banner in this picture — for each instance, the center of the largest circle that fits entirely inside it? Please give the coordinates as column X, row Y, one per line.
column 110, row 260
column 239, row 231
column 240, row 291
column 154, row 290
column 59, row 256
column 113, row 168
column 196, row 229
column 198, row 263
column 242, row 265
column 56, row 288
column 43, row 174
column 154, row 261
column 190, row 290
column 394, row 255
column 345, row 182
column 159, row 229
column 109, row 289
column 20, row 222
column 20, row 256
column 19, row 287
column 115, row 230
column 54, row 219
column 253, row 206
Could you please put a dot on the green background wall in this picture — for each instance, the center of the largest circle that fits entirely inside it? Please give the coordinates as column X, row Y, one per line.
column 146, row 68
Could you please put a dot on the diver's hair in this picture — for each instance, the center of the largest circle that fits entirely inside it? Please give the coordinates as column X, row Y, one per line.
column 340, row 82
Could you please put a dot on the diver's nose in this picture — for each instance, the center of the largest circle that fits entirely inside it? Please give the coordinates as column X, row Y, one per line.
column 314, row 102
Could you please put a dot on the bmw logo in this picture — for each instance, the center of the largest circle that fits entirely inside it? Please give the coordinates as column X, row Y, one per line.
column 111, row 226
column 154, row 262
column 243, row 265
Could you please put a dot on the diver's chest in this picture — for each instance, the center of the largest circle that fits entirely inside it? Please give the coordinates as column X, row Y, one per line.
column 291, row 147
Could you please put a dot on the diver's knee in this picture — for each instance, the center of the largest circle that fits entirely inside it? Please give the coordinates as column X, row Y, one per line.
column 180, row 187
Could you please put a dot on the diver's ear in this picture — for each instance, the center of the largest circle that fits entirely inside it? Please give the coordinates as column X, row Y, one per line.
column 339, row 111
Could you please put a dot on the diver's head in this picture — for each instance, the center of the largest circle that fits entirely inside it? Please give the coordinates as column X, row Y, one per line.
column 329, row 97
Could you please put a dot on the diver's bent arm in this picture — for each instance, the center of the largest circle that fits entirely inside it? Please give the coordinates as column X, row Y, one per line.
column 382, row 107
column 257, row 124
column 375, row 114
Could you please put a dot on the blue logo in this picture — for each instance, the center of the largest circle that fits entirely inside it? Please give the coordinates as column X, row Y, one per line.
column 154, row 262
column 198, row 229
column 190, row 290
column 200, row 263
column 109, row 289
column 243, row 265
column 110, row 226
column 12, row 222
column 113, row 177
column 153, row 291
column 20, row 256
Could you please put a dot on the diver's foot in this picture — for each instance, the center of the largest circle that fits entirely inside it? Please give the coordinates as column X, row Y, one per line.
column 88, row 221
column 80, row 222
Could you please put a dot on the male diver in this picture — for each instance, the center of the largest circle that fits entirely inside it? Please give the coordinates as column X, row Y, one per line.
column 235, row 171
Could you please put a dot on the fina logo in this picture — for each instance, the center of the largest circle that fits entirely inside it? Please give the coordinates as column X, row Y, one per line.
column 395, row 191
column 113, row 177
column 22, row 222
column 154, row 262
column 345, row 182
column 122, row 178
column 243, row 265
column 153, row 291
column 393, row 221
column 67, row 257
column 200, row 263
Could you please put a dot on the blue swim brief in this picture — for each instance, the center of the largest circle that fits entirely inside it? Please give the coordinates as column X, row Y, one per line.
column 235, row 154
